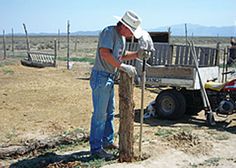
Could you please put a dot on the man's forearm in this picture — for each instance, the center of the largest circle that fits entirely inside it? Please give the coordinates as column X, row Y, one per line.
column 107, row 56
column 130, row 55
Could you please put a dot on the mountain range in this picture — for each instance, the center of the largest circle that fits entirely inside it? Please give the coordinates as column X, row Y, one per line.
column 176, row 30
column 179, row 30
column 199, row 30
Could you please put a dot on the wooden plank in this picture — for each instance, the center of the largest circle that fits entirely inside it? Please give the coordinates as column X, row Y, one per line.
column 43, row 58
column 212, row 56
column 47, row 58
column 206, row 54
column 198, row 54
column 201, row 60
column 170, row 55
column 162, row 55
column 186, row 55
column 159, row 56
column 182, row 48
column 33, row 57
column 40, row 58
column 180, row 72
column 164, row 58
column 51, row 59
column 154, row 54
column 177, row 55
column 156, row 58
column 191, row 62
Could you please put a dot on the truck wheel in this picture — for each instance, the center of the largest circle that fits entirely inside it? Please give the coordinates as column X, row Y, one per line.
column 170, row 104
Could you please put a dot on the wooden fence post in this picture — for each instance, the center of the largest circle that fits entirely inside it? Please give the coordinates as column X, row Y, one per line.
column 55, row 53
column 68, row 44
column 4, row 46
column 58, row 39
column 126, row 108
column 12, row 42
column 27, row 38
column 186, row 34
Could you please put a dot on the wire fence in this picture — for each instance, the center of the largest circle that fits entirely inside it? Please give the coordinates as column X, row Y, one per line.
column 80, row 47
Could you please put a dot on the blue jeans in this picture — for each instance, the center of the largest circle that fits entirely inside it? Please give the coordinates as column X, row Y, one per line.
column 102, row 127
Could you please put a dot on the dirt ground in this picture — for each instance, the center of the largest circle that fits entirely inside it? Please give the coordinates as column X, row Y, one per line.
column 38, row 103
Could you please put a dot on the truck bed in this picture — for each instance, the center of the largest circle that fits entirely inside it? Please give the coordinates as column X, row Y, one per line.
column 179, row 76
column 173, row 65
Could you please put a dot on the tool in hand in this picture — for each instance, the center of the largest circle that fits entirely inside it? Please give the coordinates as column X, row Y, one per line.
column 146, row 48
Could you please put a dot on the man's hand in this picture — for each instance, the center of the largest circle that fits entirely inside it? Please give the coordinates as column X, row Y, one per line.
column 146, row 46
column 144, row 54
column 129, row 69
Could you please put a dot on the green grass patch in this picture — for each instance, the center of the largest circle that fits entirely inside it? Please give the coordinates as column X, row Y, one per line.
column 6, row 62
column 7, row 71
column 162, row 132
column 79, row 59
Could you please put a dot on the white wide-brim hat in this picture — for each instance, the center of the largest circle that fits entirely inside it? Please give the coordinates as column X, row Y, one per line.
column 132, row 22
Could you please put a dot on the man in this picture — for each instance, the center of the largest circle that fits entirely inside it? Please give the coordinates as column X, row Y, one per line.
column 232, row 41
column 110, row 53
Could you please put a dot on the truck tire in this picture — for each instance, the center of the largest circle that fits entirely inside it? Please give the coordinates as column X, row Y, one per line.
column 194, row 102
column 170, row 104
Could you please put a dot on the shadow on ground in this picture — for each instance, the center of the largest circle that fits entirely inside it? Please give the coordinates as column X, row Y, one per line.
column 223, row 125
column 50, row 158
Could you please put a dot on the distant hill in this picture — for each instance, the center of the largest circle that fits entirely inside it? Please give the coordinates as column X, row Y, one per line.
column 87, row 33
column 199, row 30
column 176, row 30
column 179, row 30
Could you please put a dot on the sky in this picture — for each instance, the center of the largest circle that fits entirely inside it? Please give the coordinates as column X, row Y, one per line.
column 49, row 16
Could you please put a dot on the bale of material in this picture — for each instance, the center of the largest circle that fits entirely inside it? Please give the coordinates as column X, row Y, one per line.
column 126, row 108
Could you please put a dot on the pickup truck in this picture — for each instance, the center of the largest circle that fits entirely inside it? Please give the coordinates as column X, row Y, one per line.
column 171, row 68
